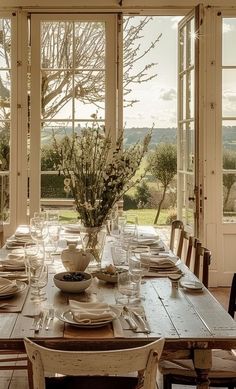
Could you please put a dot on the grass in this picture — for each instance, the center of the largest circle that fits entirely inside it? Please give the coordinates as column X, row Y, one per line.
column 145, row 216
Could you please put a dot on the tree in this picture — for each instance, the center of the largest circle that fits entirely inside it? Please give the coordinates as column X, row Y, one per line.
column 229, row 162
column 66, row 45
column 142, row 195
column 162, row 163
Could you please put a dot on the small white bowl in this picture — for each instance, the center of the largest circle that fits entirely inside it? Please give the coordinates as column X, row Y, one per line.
column 72, row 286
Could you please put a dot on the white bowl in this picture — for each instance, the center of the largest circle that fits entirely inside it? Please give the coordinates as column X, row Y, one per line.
column 72, row 286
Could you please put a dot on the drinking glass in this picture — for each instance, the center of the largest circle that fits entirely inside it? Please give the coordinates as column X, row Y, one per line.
column 129, row 288
column 40, row 215
column 141, row 255
column 41, row 281
column 130, row 228
column 38, row 229
column 34, row 261
column 53, row 215
column 52, row 240
column 119, row 255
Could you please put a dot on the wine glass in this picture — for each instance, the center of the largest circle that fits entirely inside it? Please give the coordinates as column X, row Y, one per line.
column 52, row 240
column 129, row 288
column 38, row 231
column 130, row 228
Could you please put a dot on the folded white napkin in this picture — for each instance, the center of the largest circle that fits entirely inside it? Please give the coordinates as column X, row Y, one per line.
column 14, row 261
column 147, row 232
column 72, row 227
column 88, row 313
column 160, row 261
column 22, row 230
column 7, row 286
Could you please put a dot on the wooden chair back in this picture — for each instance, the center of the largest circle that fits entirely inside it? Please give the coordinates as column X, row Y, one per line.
column 232, row 297
column 175, row 234
column 1, row 234
column 202, row 263
column 95, row 363
column 196, row 257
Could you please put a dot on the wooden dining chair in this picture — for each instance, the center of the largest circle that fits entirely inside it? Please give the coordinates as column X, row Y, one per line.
column 196, row 257
column 223, row 371
column 175, row 234
column 95, row 369
column 1, row 233
column 232, row 297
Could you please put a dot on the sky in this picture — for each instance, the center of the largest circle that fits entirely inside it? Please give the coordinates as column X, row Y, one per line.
column 229, row 75
column 158, row 97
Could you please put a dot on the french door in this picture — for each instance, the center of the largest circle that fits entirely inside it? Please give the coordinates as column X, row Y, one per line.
column 73, row 80
column 189, row 119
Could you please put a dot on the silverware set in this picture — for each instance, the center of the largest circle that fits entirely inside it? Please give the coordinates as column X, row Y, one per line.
column 136, row 321
column 43, row 320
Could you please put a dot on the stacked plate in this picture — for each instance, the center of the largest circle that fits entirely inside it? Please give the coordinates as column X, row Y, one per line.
column 10, row 288
column 193, row 286
column 70, row 316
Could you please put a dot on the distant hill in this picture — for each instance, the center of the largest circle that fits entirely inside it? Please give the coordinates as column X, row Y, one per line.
column 159, row 135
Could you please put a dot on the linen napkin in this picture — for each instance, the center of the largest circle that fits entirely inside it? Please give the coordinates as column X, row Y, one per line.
column 13, row 261
column 22, row 231
column 160, row 261
column 88, row 313
column 7, row 286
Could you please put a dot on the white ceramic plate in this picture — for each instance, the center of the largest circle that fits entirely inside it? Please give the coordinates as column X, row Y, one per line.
column 67, row 317
column 20, row 287
column 192, row 285
column 107, row 277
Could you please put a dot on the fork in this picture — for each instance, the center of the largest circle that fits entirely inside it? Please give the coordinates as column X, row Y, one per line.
column 49, row 318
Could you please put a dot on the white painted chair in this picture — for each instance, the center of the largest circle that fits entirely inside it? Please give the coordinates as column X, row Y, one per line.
column 95, row 369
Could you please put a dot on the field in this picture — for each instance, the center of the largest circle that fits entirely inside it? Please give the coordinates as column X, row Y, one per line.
column 145, row 216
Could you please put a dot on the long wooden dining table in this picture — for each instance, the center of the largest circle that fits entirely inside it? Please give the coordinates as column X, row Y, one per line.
column 193, row 323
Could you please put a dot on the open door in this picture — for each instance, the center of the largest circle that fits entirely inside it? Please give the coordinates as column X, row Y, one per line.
column 188, row 169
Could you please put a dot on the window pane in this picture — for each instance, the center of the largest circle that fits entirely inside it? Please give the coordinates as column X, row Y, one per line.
column 228, row 42
column 150, row 99
column 5, row 87
column 5, row 43
column 56, row 45
column 5, row 116
column 229, row 92
column 73, row 89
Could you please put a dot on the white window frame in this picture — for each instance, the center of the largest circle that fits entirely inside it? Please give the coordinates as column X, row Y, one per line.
column 110, row 87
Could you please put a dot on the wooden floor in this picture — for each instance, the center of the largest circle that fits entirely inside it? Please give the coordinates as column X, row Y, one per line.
column 17, row 379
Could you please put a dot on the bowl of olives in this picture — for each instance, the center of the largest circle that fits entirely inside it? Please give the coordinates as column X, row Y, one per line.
column 72, row 282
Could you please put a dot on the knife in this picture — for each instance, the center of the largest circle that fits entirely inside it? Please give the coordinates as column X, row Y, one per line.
column 144, row 324
column 127, row 316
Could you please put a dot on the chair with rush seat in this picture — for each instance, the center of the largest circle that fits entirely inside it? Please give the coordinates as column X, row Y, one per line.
column 223, row 371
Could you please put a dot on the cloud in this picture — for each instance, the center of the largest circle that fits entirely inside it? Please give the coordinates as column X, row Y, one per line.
column 168, row 94
column 227, row 27
column 229, row 95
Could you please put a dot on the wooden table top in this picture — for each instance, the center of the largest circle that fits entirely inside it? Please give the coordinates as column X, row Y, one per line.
column 176, row 314
column 193, row 323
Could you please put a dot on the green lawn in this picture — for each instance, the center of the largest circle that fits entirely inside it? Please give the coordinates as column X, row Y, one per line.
column 145, row 216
